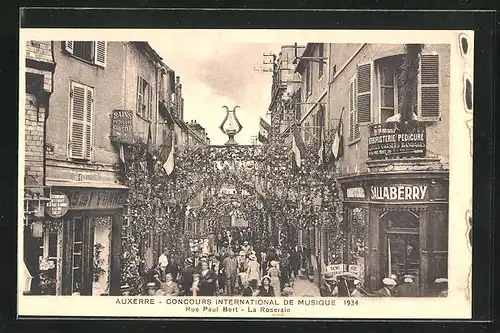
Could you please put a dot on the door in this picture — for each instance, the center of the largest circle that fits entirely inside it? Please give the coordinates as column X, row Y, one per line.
column 400, row 244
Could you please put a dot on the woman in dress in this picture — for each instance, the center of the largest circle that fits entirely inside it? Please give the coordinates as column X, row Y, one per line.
column 207, row 284
column 274, row 274
column 266, row 290
column 253, row 269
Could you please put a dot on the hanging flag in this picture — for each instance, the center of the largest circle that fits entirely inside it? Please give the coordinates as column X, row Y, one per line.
column 264, row 130
column 298, row 149
column 123, row 164
column 168, row 153
column 338, row 140
column 321, row 124
column 150, row 151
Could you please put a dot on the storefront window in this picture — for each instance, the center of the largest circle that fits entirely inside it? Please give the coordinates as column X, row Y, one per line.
column 77, row 254
column 357, row 231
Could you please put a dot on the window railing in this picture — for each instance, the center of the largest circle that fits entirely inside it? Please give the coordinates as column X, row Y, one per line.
column 397, row 140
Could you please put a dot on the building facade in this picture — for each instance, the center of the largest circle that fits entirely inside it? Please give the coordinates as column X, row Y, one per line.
column 96, row 83
column 393, row 174
column 40, row 67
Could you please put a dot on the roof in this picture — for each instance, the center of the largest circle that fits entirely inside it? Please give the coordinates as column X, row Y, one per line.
column 301, row 65
column 147, row 47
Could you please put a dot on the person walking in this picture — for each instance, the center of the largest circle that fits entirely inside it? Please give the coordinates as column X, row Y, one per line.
column 187, row 275
column 208, row 280
column 230, row 271
column 266, row 289
column 173, row 268
column 294, row 262
column 274, row 276
column 162, row 263
column 253, row 269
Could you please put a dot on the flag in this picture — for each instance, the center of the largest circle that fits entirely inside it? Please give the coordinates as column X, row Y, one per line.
column 298, row 149
column 321, row 151
column 150, row 151
column 264, row 130
column 168, row 153
column 338, row 140
column 123, row 164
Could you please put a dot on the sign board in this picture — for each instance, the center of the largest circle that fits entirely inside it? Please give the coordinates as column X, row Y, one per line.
column 97, row 199
column 355, row 270
column 399, row 193
column 397, row 144
column 122, row 126
column 355, row 193
column 58, row 205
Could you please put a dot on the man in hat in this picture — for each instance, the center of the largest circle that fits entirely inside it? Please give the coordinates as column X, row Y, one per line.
column 408, row 288
column 151, row 288
column 125, row 290
column 442, row 286
column 358, row 289
column 187, row 275
column 230, row 265
column 246, row 247
column 388, row 289
column 329, row 287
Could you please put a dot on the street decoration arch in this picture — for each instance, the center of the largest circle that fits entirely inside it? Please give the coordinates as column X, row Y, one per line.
column 159, row 204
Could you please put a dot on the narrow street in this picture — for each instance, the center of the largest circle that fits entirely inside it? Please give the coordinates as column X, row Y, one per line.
column 305, row 288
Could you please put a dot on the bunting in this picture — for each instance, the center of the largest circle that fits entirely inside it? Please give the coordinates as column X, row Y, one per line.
column 338, row 140
column 298, row 149
column 264, row 130
column 168, row 153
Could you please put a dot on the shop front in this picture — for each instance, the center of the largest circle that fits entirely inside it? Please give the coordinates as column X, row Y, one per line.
column 82, row 239
column 398, row 224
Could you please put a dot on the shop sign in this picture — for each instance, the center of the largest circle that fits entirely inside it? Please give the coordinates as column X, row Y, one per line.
column 399, row 192
column 58, row 205
column 397, row 144
column 97, row 199
column 355, row 193
column 355, row 270
column 122, row 126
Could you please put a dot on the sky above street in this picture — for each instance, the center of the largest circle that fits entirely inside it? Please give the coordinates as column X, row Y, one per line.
column 215, row 73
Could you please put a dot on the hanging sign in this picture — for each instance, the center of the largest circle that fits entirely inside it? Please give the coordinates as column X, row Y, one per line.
column 122, row 126
column 58, row 205
column 399, row 192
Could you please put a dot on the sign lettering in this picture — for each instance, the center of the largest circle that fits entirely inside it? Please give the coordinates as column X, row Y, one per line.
column 355, row 193
column 58, row 205
column 399, row 192
column 89, row 199
column 122, row 126
column 397, row 144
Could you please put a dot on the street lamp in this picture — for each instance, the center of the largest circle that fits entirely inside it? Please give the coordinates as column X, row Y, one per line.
column 230, row 125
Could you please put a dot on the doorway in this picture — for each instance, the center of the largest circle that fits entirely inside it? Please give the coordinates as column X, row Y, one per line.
column 401, row 244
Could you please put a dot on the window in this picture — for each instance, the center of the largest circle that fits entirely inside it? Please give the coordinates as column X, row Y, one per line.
column 77, row 268
column 424, row 98
column 321, row 61
column 94, row 52
column 81, row 114
column 354, row 133
column 308, row 81
column 144, row 98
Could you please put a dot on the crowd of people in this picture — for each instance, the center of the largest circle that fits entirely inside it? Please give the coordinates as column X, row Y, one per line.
column 347, row 285
column 235, row 269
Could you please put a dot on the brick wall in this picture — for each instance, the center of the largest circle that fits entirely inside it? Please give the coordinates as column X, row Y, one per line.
column 34, row 120
column 40, row 51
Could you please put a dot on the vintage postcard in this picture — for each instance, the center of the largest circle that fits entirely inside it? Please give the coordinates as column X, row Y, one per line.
column 245, row 173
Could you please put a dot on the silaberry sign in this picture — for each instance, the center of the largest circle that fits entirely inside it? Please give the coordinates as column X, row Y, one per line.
column 399, row 192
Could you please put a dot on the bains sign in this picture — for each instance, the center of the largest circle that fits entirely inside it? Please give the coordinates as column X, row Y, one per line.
column 122, row 129
column 401, row 143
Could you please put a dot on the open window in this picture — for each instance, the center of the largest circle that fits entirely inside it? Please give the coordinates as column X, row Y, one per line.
column 94, row 52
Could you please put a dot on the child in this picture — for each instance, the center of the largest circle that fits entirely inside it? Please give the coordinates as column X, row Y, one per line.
column 196, row 280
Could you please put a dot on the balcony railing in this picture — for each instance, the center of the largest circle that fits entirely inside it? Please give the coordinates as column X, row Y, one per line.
column 397, row 140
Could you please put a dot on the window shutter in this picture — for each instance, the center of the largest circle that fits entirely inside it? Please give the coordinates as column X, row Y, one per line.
column 139, row 96
column 429, row 86
column 100, row 53
column 68, row 46
column 364, row 103
column 77, row 122
column 150, row 100
column 88, row 123
column 351, row 111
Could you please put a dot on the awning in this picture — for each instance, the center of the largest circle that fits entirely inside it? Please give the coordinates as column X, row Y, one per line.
column 84, row 184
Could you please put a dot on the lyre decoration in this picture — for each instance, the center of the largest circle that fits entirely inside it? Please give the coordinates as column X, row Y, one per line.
column 231, row 125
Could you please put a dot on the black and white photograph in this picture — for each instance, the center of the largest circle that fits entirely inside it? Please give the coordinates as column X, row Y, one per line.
column 228, row 173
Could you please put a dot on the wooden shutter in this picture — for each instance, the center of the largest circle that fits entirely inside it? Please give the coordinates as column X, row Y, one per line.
column 429, row 86
column 150, row 102
column 364, row 104
column 100, row 55
column 68, row 46
column 88, row 123
column 81, row 122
